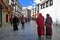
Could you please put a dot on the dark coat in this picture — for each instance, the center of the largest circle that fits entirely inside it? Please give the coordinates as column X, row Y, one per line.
column 15, row 23
column 15, row 20
column 48, row 24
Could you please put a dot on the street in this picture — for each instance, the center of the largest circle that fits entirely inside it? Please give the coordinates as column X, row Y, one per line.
column 28, row 33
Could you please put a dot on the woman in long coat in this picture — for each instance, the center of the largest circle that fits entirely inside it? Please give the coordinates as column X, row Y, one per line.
column 15, row 23
column 22, row 21
column 40, row 23
column 48, row 24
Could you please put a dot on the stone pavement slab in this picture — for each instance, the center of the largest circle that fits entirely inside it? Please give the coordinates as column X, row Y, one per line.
column 28, row 33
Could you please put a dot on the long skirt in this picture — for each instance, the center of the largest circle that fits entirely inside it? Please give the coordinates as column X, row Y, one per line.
column 41, row 31
column 48, row 31
column 15, row 27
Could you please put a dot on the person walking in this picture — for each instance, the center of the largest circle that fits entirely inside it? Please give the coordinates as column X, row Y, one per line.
column 40, row 24
column 22, row 21
column 15, row 23
column 48, row 24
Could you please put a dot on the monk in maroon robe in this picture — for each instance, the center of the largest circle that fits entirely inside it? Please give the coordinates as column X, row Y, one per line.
column 40, row 23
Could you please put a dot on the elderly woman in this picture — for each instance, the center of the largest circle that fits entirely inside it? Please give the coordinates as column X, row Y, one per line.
column 48, row 24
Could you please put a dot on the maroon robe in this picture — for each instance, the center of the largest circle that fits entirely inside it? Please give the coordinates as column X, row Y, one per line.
column 40, row 23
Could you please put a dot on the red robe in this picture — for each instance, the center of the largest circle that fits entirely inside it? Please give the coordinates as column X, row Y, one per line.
column 40, row 23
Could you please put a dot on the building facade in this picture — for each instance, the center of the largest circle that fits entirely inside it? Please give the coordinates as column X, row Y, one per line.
column 7, row 10
column 3, row 11
column 24, row 12
column 27, row 13
column 52, row 7
column 18, row 9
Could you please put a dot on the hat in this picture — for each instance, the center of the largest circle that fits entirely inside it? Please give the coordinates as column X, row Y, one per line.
column 47, row 15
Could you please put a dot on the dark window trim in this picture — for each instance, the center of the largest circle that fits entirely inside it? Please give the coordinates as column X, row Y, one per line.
column 51, row 2
column 47, row 4
column 43, row 5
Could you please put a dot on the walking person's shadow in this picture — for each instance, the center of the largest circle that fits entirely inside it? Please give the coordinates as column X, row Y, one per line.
column 48, row 38
column 45, row 38
column 41, row 38
column 23, row 28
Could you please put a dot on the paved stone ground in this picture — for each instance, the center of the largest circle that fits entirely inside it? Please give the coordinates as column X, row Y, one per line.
column 28, row 33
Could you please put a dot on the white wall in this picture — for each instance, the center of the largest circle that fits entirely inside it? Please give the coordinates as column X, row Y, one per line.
column 24, row 12
column 54, row 10
column 3, row 18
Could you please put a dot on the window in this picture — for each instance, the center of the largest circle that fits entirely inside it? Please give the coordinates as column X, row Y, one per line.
column 51, row 2
column 47, row 4
column 41, row 6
